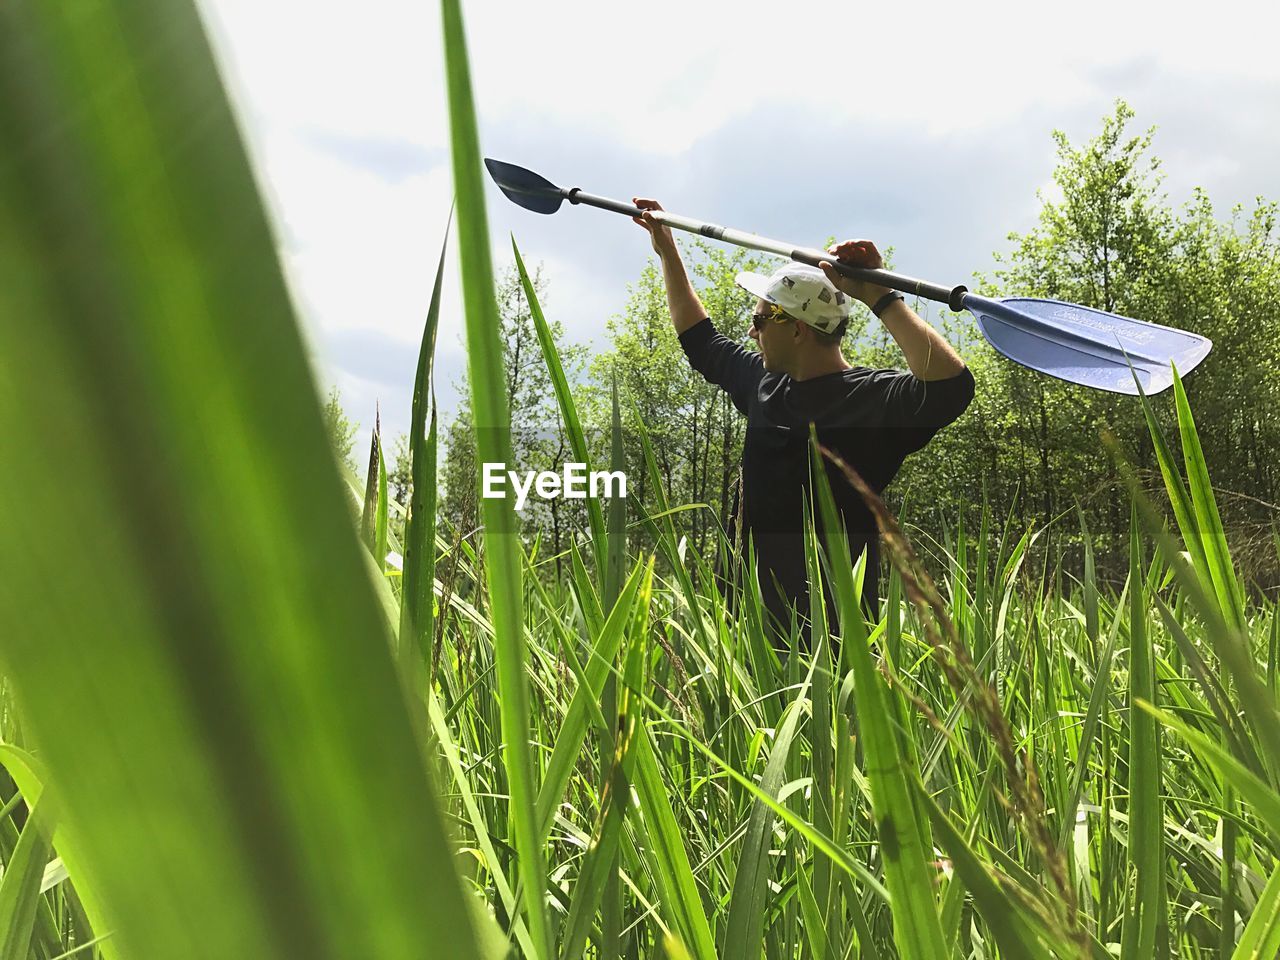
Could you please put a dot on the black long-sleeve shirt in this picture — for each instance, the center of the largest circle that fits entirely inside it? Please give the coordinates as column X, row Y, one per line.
column 872, row 418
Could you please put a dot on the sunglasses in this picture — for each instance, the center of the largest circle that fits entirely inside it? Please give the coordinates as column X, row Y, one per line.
column 774, row 313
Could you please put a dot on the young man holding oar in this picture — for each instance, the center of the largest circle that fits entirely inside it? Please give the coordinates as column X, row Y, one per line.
column 871, row 418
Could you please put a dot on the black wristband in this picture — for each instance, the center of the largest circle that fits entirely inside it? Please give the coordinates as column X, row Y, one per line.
column 879, row 306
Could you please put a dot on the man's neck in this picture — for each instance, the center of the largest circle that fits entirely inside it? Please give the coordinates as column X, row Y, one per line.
column 819, row 365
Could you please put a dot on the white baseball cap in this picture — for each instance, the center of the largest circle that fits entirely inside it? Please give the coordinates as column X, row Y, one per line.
column 804, row 292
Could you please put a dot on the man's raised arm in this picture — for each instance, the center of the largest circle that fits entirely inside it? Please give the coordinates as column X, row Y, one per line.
column 928, row 355
column 720, row 361
column 682, row 300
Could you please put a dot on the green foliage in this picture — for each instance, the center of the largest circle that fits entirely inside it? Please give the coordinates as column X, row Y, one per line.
column 201, row 649
column 400, row 473
column 460, row 472
column 1107, row 237
column 421, row 492
column 20, row 885
column 491, row 403
column 538, row 441
column 189, row 621
column 340, row 429
column 1105, row 240
column 572, row 433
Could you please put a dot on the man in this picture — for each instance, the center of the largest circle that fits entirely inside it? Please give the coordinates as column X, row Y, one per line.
column 871, row 418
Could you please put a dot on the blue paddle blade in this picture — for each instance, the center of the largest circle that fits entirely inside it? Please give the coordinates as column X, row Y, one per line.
column 525, row 187
column 1086, row 346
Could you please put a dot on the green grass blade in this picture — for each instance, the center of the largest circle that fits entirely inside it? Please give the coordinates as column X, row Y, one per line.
column 568, row 409
column 840, row 856
column 917, row 928
column 417, row 605
column 81, row 951
column 586, row 697
column 380, row 514
column 673, row 949
column 1001, row 912
column 681, row 902
column 418, row 600
column 616, row 554
column 1208, row 523
column 1261, row 937
column 1089, row 581
column 815, row 925
column 600, row 859
column 1215, row 696
column 369, row 509
column 30, row 776
column 212, row 614
column 1231, row 645
column 1146, row 812
column 586, row 591
column 744, row 927
column 20, row 885
column 668, row 539
column 1093, row 720
column 504, row 565
column 615, row 558
column 474, row 815
column 1273, row 648
column 1179, row 497
column 822, row 801
column 598, row 862
column 567, row 641
column 1264, row 800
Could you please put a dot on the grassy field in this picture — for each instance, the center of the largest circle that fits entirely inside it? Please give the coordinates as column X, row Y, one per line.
column 230, row 731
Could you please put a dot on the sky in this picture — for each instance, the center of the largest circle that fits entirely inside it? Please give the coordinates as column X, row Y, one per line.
column 925, row 127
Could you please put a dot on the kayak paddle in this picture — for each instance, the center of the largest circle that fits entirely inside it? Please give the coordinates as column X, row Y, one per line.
column 1065, row 340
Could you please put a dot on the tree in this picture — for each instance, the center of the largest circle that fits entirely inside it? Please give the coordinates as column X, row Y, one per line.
column 400, row 474
column 341, row 430
column 1109, row 239
column 460, row 473
column 1108, row 243
column 399, row 482
column 1226, row 285
column 538, row 441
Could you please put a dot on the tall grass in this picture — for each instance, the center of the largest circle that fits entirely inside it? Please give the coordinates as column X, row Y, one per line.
column 190, row 630
column 231, row 730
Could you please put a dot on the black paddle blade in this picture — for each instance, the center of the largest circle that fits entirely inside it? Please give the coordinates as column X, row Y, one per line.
column 525, row 187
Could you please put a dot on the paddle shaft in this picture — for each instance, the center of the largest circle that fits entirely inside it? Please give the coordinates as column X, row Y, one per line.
column 951, row 296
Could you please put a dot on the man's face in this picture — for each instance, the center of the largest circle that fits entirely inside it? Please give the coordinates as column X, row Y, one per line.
column 777, row 340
